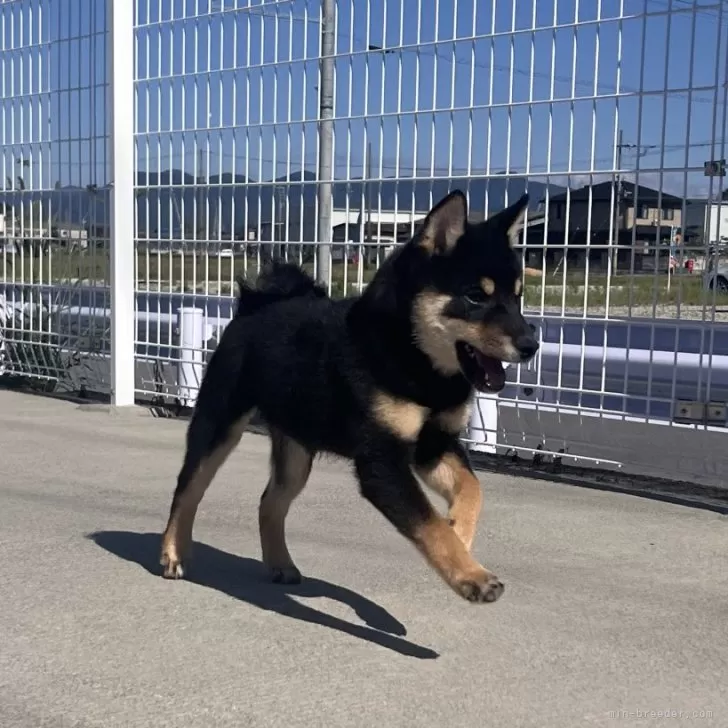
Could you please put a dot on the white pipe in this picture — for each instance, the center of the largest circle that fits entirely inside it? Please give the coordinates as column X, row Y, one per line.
column 189, row 366
column 143, row 317
column 483, row 426
column 616, row 354
column 568, row 357
column 3, row 321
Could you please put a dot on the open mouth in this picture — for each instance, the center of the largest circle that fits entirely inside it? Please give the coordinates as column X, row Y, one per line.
column 485, row 373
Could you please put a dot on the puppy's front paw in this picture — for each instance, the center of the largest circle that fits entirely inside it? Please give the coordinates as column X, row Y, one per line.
column 172, row 567
column 286, row 575
column 481, row 589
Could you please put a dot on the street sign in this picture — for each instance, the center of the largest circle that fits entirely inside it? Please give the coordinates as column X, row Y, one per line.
column 714, row 168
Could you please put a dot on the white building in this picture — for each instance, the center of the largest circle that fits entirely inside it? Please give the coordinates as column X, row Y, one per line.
column 381, row 229
column 716, row 223
column 72, row 234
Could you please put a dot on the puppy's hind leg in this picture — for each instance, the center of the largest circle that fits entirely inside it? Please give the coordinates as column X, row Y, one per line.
column 290, row 465
column 210, row 440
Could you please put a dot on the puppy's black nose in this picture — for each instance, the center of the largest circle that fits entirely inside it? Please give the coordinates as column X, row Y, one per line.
column 527, row 347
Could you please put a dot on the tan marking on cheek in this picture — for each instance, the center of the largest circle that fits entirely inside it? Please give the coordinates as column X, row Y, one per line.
column 434, row 333
column 403, row 419
column 495, row 343
column 518, row 287
column 473, row 333
column 488, row 286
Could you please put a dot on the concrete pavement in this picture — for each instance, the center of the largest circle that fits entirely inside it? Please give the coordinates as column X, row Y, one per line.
column 615, row 606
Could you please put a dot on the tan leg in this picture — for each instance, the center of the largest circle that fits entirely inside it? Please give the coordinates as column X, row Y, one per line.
column 447, row 554
column 387, row 481
column 290, row 468
column 452, row 479
column 194, row 479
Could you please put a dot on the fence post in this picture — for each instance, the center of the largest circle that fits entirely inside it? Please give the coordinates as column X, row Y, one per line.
column 120, row 14
column 191, row 339
column 483, row 425
column 326, row 139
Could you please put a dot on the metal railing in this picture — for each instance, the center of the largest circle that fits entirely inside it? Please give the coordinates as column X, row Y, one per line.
column 193, row 140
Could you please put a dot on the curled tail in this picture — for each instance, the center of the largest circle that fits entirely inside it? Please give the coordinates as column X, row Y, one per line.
column 276, row 282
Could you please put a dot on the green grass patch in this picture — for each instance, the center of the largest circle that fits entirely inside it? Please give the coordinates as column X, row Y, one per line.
column 200, row 272
column 643, row 290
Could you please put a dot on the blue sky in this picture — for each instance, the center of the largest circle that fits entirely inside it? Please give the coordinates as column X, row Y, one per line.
column 465, row 87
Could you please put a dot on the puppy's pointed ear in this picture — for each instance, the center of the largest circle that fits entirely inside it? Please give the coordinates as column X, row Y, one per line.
column 512, row 218
column 444, row 224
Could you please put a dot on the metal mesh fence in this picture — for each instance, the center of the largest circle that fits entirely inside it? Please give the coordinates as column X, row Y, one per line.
column 323, row 131
column 54, row 227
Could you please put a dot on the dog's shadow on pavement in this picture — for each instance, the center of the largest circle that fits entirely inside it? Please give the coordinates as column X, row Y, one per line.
column 247, row 579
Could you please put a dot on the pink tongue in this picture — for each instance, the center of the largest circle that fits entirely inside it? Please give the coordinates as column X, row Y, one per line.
column 495, row 375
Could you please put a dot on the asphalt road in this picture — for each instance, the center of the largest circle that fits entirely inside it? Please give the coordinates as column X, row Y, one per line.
column 615, row 606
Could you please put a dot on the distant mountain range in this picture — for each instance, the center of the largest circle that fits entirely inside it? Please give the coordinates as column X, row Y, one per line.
column 165, row 198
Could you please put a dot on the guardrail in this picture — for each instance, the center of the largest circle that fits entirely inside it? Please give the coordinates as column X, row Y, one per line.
column 623, row 381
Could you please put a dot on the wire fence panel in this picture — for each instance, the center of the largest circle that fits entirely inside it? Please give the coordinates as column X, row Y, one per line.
column 625, row 107
column 226, row 149
column 605, row 112
column 53, row 238
column 322, row 131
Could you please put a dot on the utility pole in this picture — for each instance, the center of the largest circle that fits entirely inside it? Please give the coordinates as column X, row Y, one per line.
column 368, row 227
column 326, row 139
column 279, row 232
column 642, row 149
column 617, row 203
column 200, row 195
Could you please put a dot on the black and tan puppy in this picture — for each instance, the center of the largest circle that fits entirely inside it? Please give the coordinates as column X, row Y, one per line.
column 385, row 379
